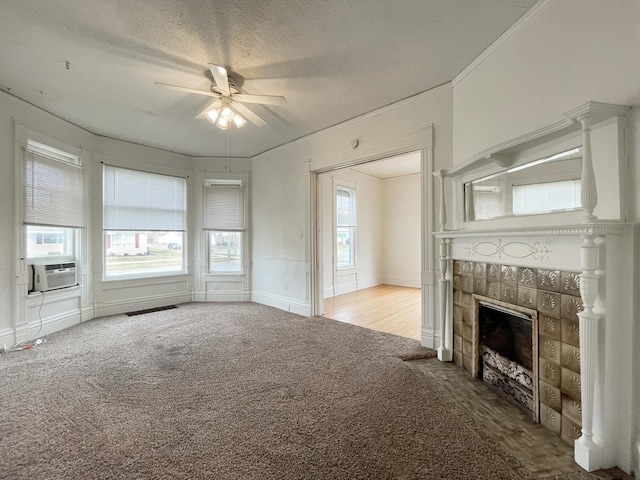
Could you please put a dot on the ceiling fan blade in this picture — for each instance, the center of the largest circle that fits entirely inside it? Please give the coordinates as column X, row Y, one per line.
column 185, row 89
column 214, row 104
column 263, row 99
column 252, row 117
column 221, row 78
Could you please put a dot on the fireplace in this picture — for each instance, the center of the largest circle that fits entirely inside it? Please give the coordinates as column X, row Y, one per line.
column 506, row 344
column 540, row 307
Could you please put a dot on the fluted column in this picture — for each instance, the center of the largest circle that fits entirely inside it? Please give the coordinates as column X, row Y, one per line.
column 588, row 454
column 588, row 191
column 445, row 352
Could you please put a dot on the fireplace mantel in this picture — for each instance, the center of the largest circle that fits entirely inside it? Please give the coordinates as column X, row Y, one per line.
column 577, row 241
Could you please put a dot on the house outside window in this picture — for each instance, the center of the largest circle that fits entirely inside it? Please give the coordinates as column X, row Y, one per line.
column 345, row 227
column 144, row 222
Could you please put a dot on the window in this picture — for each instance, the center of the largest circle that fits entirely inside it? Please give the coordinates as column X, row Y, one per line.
column 345, row 227
column 224, row 220
column 144, row 223
column 53, row 201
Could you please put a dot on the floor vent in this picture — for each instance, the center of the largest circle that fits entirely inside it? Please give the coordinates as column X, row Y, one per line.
column 150, row 310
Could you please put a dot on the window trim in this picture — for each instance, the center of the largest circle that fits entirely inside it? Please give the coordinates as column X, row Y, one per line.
column 351, row 188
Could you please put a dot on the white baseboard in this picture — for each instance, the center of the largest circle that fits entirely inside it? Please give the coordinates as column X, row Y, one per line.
column 7, row 337
column 141, row 303
column 33, row 330
column 283, row 303
column 222, row 296
column 403, row 282
column 430, row 338
column 351, row 287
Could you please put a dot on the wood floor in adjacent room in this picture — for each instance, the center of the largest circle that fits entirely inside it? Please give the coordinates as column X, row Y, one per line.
column 385, row 308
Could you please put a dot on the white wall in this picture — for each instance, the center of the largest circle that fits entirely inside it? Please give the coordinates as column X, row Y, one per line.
column 565, row 53
column 281, row 193
column 369, row 232
column 401, row 215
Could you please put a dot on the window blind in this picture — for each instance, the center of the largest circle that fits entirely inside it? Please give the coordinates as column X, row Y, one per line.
column 54, row 191
column 223, row 208
column 142, row 201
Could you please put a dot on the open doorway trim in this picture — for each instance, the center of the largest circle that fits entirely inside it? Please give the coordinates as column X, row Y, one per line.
column 423, row 142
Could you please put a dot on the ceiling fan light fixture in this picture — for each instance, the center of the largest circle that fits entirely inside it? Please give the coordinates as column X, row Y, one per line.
column 212, row 115
column 226, row 113
column 222, row 123
column 239, row 121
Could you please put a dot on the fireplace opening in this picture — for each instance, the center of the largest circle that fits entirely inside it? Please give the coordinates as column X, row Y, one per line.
column 507, row 354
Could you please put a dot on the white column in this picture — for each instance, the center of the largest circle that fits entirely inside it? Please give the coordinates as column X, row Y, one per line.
column 445, row 352
column 588, row 192
column 588, row 454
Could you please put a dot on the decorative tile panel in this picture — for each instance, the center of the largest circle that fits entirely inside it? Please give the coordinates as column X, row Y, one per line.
column 509, row 294
column 570, row 283
column 467, row 332
column 457, row 282
column 457, row 358
column 467, row 316
column 550, row 349
column 527, row 277
column 550, row 396
column 493, row 290
column 467, row 300
column 527, row 297
column 572, row 409
column 549, row 326
column 457, row 342
column 457, row 297
column 549, row 280
column 571, row 332
column 549, row 303
column 480, row 269
column 551, row 419
column 480, row 286
column 550, row 372
column 467, row 363
column 466, row 347
column 467, row 284
column 571, row 384
column 467, row 269
column 570, row 306
column 570, row 357
column 494, row 272
column 570, row 431
column 457, row 267
column 509, row 274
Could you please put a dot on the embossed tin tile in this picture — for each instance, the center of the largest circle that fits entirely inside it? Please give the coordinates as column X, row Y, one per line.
column 527, row 277
column 509, row 294
column 467, row 363
column 457, row 343
column 570, row 283
column 570, row 306
column 457, row 313
column 457, row 326
column 467, row 332
column 550, row 419
column 549, row 326
column 549, row 280
column 509, row 274
column 550, row 372
column 467, row 268
column 572, row 409
column 457, row 267
column 570, row 431
column 570, row 357
column 550, row 396
column 457, row 358
column 457, row 282
column 493, row 290
column 494, row 272
column 457, row 297
column 549, row 303
column 527, row 297
column 466, row 347
column 467, row 300
column 571, row 384
column 571, row 332
column 467, row 316
column 480, row 269
column 550, row 349
column 480, row 286
column 467, row 284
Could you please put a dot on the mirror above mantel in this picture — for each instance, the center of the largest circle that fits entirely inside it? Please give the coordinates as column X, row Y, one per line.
column 545, row 185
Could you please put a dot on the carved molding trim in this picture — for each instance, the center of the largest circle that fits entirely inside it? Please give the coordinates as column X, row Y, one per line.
column 537, row 250
column 597, row 229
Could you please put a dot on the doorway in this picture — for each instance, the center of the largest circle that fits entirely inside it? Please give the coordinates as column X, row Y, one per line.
column 369, row 244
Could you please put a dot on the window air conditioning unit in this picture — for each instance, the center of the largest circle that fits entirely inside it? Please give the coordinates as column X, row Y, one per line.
column 52, row 276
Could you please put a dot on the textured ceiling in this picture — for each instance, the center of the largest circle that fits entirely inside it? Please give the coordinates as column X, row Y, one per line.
column 94, row 62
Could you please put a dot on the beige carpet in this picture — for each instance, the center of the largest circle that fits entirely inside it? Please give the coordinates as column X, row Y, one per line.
column 229, row 391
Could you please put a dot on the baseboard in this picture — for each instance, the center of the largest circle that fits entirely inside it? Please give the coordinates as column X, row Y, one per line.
column 87, row 313
column 33, row 330
column 7, row 337
column 403, row 282
column 344, row 288
column 141, row 303
column 430, row 338
column 282, row 303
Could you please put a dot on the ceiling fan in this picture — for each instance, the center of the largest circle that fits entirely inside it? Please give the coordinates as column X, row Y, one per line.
column 227, row 108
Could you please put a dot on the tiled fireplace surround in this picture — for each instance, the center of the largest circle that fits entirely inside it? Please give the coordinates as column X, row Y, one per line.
column 553, row 297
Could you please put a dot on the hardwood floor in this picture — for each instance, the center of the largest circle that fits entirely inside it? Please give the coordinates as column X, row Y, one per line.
column 385, row 308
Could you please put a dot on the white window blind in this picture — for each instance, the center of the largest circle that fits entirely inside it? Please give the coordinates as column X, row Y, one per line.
column 345, row 207
column 223, row 207
column 54, row 190
column 142, row 201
